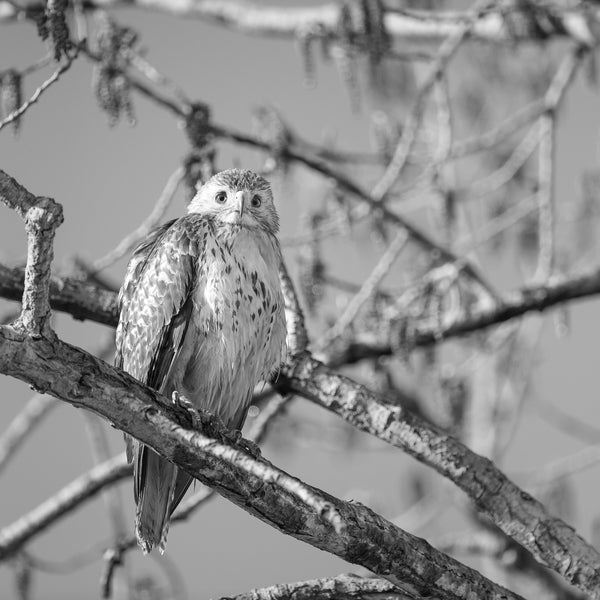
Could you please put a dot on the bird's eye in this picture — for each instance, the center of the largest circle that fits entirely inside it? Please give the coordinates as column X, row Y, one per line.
column 256, row 201
column 221, row 197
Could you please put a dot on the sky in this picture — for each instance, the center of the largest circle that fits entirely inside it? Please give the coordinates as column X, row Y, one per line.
column 107, row 179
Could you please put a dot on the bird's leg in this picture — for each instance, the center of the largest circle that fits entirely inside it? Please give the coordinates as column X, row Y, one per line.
column 235, row 437
column 201, row 420
column 211, row 425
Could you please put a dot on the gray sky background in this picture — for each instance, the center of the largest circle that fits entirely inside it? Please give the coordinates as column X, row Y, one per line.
column 107, row 180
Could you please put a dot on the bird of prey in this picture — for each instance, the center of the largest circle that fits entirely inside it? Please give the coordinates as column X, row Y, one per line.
column 201, row 314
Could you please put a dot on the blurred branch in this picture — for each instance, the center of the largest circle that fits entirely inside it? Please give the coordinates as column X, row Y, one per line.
column 348, row 587
column 312, row 161
column 412, row 122
column 13, row 537
column 13, row 116
column 126, row 245
column 85, row 301
column 23, row 425
column 368, row 289
column 279, row 22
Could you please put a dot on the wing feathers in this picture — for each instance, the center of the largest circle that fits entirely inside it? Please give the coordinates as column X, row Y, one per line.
column 156, row 308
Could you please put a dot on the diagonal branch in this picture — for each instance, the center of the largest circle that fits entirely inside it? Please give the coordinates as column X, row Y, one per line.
column 23, row 425
column 515, row 512
column 348, row 587
column 351, row 531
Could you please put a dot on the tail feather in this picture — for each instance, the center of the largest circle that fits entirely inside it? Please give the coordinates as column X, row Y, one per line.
column 156, row 486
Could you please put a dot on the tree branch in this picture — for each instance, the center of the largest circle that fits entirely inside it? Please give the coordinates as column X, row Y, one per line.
column 342, row 587
column 15, row 536
column 515, row 512
column 23, row 425
column 42, row 216
column 362, row 536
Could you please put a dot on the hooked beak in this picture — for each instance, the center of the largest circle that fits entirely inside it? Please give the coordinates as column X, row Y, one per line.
column 239, row 204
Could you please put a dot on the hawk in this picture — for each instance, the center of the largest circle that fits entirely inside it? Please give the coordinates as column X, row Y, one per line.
column 201, row 314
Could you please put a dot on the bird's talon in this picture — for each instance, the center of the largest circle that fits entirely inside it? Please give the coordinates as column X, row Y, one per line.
column 235, row 437
column 196, row 416
column 251, row 448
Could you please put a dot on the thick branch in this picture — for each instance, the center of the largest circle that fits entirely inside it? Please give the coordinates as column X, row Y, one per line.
column 42, row 216
column 79, row 299
column 363, row 537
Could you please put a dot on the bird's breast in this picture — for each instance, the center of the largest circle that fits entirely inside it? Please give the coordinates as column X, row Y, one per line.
column 239, row 306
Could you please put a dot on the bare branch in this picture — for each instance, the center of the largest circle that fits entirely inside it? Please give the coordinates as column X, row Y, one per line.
column 42, row 216
column 80, row 299
column 413, row 121
column 125, row 246
column 13, row 116
column 362, row 536
column 536, row 298
column 312, row 161
column 85, row 301
column 514, row 511
column 297, row 338
column 23, row 426
column 15, row 536
column 367, row 290
column 347, row 587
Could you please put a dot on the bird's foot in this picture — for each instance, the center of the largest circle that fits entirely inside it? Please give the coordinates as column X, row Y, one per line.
column 235, row 437
column 200, row 419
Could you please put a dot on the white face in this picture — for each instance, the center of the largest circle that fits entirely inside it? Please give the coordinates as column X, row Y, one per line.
column 239, row 198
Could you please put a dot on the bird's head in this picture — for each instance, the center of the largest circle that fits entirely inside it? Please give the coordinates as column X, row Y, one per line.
column 237, row 197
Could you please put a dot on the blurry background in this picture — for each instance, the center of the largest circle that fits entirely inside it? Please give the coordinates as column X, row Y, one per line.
column 539, row 379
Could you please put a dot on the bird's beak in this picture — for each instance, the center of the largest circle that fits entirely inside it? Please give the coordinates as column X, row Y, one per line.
column 239, row 203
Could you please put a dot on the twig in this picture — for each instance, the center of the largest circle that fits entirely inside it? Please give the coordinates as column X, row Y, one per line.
column 125, row 246
column 413, row 121
column 565, row 466
column 318, row 165
column 82, row 559
column 545, row 198
column 494, row 181
column 367, row 290
column 549, row 103
column 36, row 66
column 23, row 425
column 39, row 91
column 15, row 536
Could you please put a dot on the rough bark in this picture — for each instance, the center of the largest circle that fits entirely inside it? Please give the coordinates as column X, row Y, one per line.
column 363, row 537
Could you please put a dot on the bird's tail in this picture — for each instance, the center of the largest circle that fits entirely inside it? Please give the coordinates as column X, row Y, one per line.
column 155, row 486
